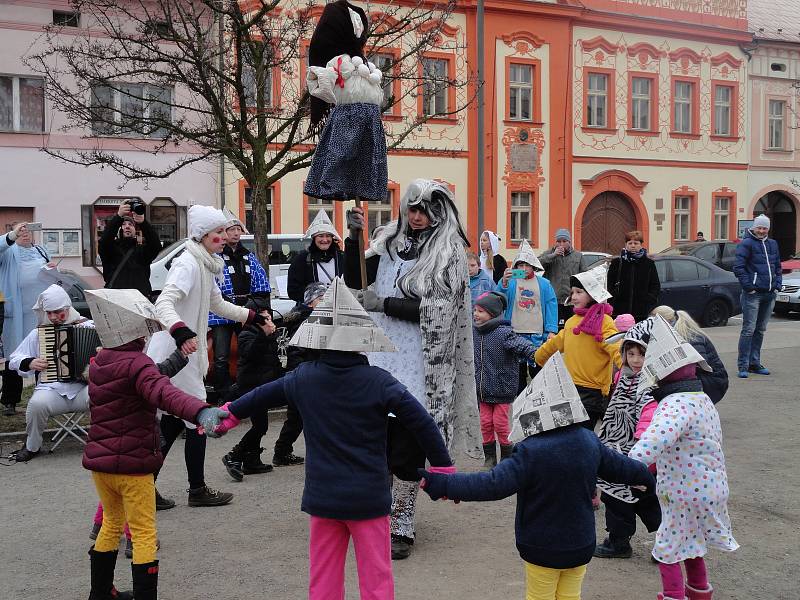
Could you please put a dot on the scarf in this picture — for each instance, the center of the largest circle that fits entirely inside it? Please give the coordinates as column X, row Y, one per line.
column 592, row 322
column 491, row 323
column 633, row 256
column 211, row 267
column 676, row 387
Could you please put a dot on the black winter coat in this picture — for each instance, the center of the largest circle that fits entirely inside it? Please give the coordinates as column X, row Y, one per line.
column 715, row 384
column 135, row 273
column 634, row 286
column 258, row 359
column 303, row 270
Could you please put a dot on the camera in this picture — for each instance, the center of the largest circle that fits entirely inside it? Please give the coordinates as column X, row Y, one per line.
column 137, row 206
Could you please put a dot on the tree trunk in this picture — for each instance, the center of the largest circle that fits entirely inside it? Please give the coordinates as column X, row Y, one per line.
column 262, row 225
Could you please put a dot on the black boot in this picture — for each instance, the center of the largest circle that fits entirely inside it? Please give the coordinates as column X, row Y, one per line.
column 145, row 581
column 233, row 462
column 401, row 547
column 614, row 546
column 252, row 465
column 505, row 451
column 490, row 452
column 102, row 565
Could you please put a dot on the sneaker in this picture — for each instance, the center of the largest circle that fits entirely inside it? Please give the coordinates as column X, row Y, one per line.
column 10, row 410
column 618, row 548
column 743, row 374
column 252, row 465
column 287, row 460
column 163, row 503
column 205, row 496
column 759, row 369
column 401, row 547
column 24, row 455
column 234, row 466
column 95, row 531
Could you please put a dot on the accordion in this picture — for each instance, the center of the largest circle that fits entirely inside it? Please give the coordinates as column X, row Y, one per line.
column 67, row 350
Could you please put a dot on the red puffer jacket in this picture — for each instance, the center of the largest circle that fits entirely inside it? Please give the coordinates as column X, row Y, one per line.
column 125, row 389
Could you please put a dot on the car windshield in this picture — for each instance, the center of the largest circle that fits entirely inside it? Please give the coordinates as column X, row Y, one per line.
column 169, row 249
column 681, row 250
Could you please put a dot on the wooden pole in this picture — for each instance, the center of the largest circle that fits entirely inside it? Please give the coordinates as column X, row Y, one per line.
column 361, row 258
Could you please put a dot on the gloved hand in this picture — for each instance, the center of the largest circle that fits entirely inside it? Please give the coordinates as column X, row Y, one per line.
column 370, row 300
column 355, row 223
column 227, row 423
column 181, row 333
column 434, row 484
column 209, row 419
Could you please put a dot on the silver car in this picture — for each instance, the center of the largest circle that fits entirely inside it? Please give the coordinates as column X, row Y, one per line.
column 789, row 295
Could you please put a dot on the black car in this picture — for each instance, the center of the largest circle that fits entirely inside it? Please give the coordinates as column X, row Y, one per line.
column 705, row 291
column 721, row 253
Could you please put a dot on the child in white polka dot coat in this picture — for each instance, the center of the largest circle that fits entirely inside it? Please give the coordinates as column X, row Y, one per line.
column 684, row 440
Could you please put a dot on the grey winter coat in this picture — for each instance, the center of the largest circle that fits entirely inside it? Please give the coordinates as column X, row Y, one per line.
column 497, row 353
column 558, row 269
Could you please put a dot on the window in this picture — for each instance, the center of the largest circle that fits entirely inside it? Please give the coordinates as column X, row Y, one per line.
column 62, row 242
column 684, row 90
column 722, row 208
column 723, row 100
column 254, row 77
column 708, row 253
column 682, row 217
column 520, row 216
column 777, row 110
column 520, row 92
column 315, row 205
column 131, row 110
column 597, row 100
column 63, row 18
column 248, row 210
column 641, row 99
column 21, row 104
column 385, row 62
column 661, row 269
column 379, row 212
column 434, row 86
column 729, row 251
column 684, row 270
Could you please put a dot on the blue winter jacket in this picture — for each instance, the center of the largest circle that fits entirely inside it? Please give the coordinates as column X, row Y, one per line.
column 479, row 284
column 758, row 264
column 497, row 353
column 549, row 307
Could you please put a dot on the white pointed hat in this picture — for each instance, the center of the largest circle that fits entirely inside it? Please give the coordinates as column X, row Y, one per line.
column 121, row 316
column 322, row 224
column 54, row 298
column 233, row 220
column 667, row 352
column 526, row 254
column 594, row 282
column 339, row 322
column 550, row 401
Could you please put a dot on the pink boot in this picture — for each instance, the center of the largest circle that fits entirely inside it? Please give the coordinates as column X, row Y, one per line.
column 663, row 597
column 695, row 594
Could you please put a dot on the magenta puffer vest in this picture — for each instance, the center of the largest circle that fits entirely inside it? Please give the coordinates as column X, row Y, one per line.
column 125, row 389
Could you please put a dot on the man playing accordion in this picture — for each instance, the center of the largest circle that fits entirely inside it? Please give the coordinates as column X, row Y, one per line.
column 53, row 307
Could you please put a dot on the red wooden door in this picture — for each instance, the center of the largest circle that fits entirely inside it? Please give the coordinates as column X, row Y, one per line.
column 606, row 220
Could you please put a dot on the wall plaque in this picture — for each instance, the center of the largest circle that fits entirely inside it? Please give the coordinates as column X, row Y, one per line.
column 524, row 158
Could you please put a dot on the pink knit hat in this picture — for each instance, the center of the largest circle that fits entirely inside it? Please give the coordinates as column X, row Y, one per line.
column 624, row 322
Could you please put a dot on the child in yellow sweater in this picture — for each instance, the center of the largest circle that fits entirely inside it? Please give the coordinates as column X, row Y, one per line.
column 582, row 342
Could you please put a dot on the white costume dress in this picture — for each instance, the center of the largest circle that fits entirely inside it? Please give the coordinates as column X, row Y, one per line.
column 685, row 442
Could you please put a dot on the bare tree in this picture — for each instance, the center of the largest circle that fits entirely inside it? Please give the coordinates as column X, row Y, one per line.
column 203, row 75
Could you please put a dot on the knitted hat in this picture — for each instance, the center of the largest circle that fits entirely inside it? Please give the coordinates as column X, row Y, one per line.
column 233, row 221
column 313, row 291
column 52, row 299
column 204, row 219
column 493, row 303
column 563, row 234
column 624, row 322
column 761, row 221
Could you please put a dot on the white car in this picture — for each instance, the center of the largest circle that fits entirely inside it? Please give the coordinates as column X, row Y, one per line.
column 788, row 298
column 283, row 247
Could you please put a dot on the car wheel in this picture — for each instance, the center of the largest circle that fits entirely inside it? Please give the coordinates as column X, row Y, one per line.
column 716, row 313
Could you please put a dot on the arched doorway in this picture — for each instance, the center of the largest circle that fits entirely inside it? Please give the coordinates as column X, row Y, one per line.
column 780, row 209
column 605, row 221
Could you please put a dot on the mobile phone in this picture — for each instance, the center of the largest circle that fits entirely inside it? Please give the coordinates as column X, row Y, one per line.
column 518, row 274
column 33, row 226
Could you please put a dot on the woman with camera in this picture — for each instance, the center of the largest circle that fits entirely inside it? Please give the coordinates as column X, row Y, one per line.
column 126, row 259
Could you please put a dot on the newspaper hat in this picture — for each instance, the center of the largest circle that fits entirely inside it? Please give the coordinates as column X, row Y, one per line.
column 594, row 282
column 667, row 352
column 550, row 401
column 233, row 220
column 121, row 316
column 322, row 224
column 527, row 255
column 339, row 322
column 54, row 298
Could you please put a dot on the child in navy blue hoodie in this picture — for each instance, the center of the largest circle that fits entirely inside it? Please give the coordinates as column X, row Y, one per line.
column 553, row 470
column 345, row 405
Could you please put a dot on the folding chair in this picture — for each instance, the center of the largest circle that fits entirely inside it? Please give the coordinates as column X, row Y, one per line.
column 69, row 424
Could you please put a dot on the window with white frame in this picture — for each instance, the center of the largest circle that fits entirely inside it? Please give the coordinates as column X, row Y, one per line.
column 722, row 207
column 682, row 216
column 683, row 106
column 21, row 104
column 520, row 92
column 723, row 100
column 434, row 86
column 317, row 204
column 597, row 100
column 777, row 112
column 379, row 212
column 385, row 62
column 62, row 242
column 255, row 76
column 131, row 110
column 520, row 216
column 641, row 101
column 248, row 210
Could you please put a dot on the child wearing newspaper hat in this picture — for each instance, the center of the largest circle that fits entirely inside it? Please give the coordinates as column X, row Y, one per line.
column 584, row 341
column 553, row 471
column 684, row 441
